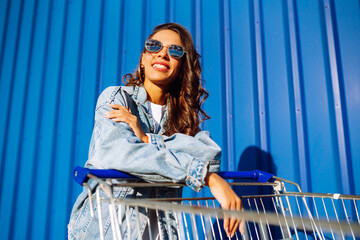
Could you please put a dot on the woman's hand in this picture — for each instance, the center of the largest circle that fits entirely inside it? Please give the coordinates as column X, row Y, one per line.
column 122, row 114
column 228, row 200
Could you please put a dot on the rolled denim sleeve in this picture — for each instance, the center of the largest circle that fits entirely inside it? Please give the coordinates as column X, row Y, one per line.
column 165, row 159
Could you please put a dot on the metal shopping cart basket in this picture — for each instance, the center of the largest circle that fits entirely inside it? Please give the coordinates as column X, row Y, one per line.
column 269, row 214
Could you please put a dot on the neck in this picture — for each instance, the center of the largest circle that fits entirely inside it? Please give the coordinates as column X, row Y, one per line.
column 156, row 93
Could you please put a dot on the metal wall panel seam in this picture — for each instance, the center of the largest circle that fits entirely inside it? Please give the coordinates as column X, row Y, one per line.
column 145, row 17
column 124, row 38
column 3, row 37
column 75, row 139
column 228, row 87
column 198, row 37
column 297, row 89
column 147, row 21
column 167, row 13
column 50, row 229
column 337, row 98
column 20, row 166
column 101, row 54
column 121, row 50
column 260, row 76
column 2, row 83
column 39, row 124
column 171, row 11
column 14, row 140
column 198, row 46
column 198, row 27
column 78, row 76
column 7, row 129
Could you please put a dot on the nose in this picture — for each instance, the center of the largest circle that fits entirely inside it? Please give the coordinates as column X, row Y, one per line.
column 163, row 53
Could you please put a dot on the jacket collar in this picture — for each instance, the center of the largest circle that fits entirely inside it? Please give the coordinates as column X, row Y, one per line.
column 137, row 93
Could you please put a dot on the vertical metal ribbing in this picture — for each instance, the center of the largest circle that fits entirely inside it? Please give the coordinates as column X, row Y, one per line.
column 55, row 151
column 10, row 96
column 39, row 123
column 146, row 22
column 198, row 34
column 6, row 107
column 329, row 26
column 121, row 40
column 11, row 163
column 145, row 19
column 3, row 35
column 260, row 75
column 37, row 158
column 228, row 88
column 124, row 37
column 171, row 11
column 100, row 54
column 295, row 73
column 19, row 158
column 198, row 17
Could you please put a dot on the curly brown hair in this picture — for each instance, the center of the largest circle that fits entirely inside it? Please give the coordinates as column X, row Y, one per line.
column 186, row 93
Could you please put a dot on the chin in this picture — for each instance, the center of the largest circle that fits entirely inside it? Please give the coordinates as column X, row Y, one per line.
column 161, row 81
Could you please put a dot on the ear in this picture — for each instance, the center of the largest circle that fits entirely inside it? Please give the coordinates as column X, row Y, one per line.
column 142, row 59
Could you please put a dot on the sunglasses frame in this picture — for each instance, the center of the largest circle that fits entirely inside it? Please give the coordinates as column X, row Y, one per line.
column 169, row 48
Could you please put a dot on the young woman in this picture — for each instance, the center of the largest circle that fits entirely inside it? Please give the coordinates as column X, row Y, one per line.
column 150, row 128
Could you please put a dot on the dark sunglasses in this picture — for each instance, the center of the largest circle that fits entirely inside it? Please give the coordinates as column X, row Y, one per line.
column 155, row 46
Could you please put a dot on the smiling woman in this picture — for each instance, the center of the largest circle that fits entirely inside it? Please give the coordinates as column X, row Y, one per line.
column 150, row 128
column 158, row 68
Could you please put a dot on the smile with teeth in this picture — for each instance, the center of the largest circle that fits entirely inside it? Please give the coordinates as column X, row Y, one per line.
column 160, row 66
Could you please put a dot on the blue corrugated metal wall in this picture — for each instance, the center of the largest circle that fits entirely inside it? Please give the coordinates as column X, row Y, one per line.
column 283, row 77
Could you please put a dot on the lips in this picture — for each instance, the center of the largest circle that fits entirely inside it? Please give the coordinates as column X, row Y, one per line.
column 161, row 66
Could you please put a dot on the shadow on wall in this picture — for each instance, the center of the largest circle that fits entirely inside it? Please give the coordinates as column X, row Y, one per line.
column 253, row 158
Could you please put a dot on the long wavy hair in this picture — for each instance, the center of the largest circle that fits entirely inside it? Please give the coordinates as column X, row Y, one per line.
column 185, row 94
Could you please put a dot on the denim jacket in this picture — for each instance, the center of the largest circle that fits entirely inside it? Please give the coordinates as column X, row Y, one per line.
column 176, row 158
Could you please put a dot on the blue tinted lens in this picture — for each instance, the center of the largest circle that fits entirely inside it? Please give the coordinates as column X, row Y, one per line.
column 153, row 45
column 176, row 51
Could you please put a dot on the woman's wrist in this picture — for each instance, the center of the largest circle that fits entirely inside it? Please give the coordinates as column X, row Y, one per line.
column 210, row 179
column 145, row 139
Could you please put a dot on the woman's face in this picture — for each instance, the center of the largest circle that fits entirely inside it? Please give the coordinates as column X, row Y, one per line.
column 159, row 68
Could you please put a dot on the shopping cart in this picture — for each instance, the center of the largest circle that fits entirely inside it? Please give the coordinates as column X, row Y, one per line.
column 270, row 213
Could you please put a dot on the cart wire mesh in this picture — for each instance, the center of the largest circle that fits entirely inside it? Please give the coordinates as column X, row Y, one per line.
column 278, row 215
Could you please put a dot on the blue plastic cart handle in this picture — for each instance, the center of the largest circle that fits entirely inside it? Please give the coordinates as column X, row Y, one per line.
column 80, row 174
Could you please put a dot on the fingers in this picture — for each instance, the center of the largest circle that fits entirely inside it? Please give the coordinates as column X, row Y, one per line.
column 226, row 225
column 234, row 223
column 122, row 114
column 117, row 106
column 233, row 230
column 242, row 226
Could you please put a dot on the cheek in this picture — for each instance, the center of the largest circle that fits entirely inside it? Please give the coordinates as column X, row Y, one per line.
column 147, row 58
column 177, row 67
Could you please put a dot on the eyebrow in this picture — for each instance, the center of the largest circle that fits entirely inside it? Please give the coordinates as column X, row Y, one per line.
column 168, row 44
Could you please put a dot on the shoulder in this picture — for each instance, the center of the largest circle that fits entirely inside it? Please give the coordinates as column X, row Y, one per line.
column 114, row 94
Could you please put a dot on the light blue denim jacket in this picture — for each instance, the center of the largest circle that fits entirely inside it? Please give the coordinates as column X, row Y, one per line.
column 178, row 158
